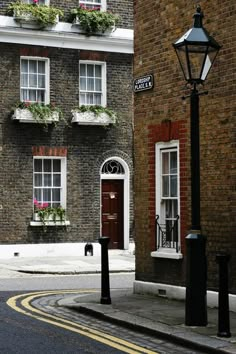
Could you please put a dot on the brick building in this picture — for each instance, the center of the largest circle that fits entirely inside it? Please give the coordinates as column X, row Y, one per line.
column 162, row 146
column 65, row 184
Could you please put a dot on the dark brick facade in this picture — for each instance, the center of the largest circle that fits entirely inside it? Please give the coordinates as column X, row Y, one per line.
column 161, row 115
column 86, row 147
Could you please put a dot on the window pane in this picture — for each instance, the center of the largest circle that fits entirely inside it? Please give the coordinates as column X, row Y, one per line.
column 41, row 81
column 173, row 162
column 38, row 180
column 165, row 163
column 97, row 99
column 165, row 186
column 98, row 71
column 82, row 99
column 47, row 165
column 32, row 96
column 89, row 98
column 40, row 96
column 24, row 95
column 173, row 186
column 90, row 70
column 90, row 83
column 82, row 84
column 56, row 180
column 56, row 195
column 24, row 80
column 46, row 195
column 41, row 67
column 37, row 165
column 24, row 66
column 56, row 165
column 98, row 85
column 47, row 180
column 32, row 80
column 32, row 66
column 37, row 195
column 82, row 70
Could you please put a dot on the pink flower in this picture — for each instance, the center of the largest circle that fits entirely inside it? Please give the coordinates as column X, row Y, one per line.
column 35, row 2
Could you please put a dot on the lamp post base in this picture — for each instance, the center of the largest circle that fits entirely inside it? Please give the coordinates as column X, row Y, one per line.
column 196, row 274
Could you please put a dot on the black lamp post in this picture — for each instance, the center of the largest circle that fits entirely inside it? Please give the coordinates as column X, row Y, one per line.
column 196, row 51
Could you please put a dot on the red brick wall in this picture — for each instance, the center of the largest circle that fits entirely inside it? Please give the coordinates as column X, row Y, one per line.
column 157, row 26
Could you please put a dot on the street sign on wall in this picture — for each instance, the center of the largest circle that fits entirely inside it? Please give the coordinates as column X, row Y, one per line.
column 143, row 83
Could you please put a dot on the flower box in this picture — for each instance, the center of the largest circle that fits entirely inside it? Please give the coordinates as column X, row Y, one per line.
column 49, row 221
column 90, row 118
column 76, row 22
column 25, row 116
column 27, row 20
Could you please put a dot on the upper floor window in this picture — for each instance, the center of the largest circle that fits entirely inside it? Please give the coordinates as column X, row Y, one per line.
column 91, row 4
column 34, row 80
column 92, row 83
column 40, row 2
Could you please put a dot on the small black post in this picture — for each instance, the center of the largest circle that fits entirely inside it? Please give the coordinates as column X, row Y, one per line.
column 223, row 307
column 105, row 283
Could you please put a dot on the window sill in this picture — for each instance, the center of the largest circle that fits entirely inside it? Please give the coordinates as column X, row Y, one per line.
column 90, row 118
column 50, row 223
column 165, row 253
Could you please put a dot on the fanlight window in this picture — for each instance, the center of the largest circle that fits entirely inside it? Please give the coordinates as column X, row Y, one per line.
column 113, row 167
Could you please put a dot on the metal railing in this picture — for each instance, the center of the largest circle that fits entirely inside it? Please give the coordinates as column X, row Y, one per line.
column 167, row 235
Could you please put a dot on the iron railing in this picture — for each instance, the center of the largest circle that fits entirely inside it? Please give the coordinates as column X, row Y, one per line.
column 167, row 235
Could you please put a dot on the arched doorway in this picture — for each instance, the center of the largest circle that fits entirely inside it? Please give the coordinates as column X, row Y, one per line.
column 115, row 202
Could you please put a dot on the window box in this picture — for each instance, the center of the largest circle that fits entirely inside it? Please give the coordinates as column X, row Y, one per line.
column 25, row 116
column 34, row 15
column 26, row 19
column 49, row 221
column 106, row 32
column 91, row 118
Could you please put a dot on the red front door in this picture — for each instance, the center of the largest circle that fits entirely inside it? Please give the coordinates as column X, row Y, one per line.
column 112, row 212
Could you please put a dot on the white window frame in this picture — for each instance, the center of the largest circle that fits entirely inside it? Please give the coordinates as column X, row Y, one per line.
column 168, row 146
column 103, row 4
column 63, row 175
column 47, row 76
column 46, row 2
column 104, row 83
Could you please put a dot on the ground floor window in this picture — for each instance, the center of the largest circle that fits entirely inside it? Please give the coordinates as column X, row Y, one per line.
column 167, row 197
column 49, row 181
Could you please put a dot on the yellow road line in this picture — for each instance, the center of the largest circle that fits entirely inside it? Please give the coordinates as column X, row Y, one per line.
column 99, row 336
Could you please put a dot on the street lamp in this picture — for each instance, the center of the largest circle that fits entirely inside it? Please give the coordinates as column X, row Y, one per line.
column 196, row 51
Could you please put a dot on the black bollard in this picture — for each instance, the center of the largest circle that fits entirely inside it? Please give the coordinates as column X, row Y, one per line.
column 196, row 279
column 223, row 305
column 105, row 283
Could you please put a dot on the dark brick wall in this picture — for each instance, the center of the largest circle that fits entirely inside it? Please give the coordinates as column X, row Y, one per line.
column 123, row 8
column 87, row 147
column 157, row 26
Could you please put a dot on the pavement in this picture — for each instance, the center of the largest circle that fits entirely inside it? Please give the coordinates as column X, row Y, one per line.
column 155, row 315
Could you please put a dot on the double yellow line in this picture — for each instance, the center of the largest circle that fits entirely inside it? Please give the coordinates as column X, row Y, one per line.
column 22, row 303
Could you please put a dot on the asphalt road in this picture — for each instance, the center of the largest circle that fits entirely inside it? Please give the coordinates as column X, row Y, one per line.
column 34, row 324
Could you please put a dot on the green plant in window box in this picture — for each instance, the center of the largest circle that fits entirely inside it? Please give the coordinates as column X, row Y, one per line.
column 93, row 115
column 93, row 20
column 41, row 113
column 42, row 14
column 46, row 213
